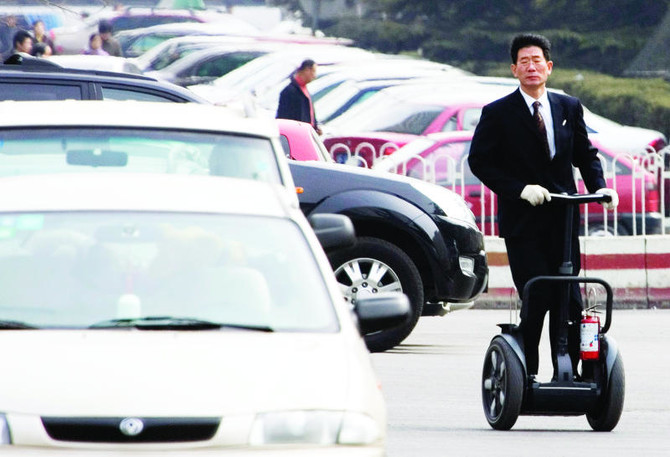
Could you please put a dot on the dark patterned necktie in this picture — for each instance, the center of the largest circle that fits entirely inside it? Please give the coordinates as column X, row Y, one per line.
column 541, row 127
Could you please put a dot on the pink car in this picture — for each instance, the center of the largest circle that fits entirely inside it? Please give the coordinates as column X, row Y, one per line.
column 301, row 142
column 442, row 158
column 400, row 116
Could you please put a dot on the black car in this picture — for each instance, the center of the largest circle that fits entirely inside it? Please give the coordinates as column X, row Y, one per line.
column 39, row 79
column 411, row 236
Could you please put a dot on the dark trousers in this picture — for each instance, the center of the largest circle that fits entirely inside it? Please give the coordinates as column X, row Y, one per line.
column 540, row 256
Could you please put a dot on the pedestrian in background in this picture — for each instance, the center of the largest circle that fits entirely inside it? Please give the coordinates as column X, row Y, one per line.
column 524, row 147
column 40, row 35
column 8, row 29
column 95, row 46
column 22, row 46
column 109, row 43
column 294, row 100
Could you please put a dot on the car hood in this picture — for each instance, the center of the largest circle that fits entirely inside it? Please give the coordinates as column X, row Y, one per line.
column 168, row 373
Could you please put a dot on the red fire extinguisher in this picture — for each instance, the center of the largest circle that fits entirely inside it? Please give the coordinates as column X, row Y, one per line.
column 590, row 334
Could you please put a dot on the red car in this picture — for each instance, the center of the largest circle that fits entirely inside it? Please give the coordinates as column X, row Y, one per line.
column 442, row 158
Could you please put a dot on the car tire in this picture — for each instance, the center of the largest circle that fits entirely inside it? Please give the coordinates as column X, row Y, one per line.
column 396, row 272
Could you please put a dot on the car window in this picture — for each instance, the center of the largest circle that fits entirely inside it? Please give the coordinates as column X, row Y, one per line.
column 221, row 65
column 451, row 125
column 118, row 93
column 471, row 118
column 142, row 44
column 38, row 91
column 110, row 150
column 79, row 269
column 136, row 22
column 283, row 139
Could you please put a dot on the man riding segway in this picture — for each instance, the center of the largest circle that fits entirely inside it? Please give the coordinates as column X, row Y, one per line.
column 524, row 149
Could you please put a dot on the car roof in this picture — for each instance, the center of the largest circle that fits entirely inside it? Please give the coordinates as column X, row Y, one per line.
column 131, row 113
column 141, row 192
column 52, row 71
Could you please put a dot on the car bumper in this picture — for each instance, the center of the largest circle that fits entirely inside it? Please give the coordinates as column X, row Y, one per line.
column 465, row 269
column 292, row 451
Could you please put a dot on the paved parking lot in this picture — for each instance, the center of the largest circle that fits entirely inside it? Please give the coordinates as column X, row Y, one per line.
column 432, row 387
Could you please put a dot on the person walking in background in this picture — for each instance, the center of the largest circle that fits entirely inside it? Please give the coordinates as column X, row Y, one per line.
column 40, row 35
column 294, row 100
column 22, row 46
column 524, row 147
column 109, row 43
column 8, row 28
column 95, row 46
column 41, row 50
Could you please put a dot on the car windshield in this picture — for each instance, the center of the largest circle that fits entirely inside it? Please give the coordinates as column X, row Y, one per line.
column 383, row 113
column 159, row 271
column 70, row 150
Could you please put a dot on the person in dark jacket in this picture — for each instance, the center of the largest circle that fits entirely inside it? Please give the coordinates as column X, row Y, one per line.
column 22, row 47
column 294, row 101
column 110, row 44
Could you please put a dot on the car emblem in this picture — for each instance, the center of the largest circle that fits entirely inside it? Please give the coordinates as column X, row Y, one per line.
column 131, row 426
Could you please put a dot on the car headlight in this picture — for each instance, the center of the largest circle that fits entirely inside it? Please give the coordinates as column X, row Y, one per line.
column 452, row 204
column 5, row 438
column 313, row 427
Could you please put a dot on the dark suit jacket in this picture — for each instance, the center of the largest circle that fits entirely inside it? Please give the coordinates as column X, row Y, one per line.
column 294, row 104
column 507, row 154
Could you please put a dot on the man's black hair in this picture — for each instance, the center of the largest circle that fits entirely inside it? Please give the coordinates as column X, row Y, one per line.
column 104, row 26
column 20, row 36
column 307, row 63
column 530, row 39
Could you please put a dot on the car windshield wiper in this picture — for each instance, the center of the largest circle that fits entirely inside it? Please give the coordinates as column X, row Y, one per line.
column 172, row 323
column 15, row 325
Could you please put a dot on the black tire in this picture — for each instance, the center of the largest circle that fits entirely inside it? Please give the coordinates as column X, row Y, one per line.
column 609, row 409
column 352, row 267
column 502, row 385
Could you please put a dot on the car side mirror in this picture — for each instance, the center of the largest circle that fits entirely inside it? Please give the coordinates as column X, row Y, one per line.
column 382, row 311
column 333, row 230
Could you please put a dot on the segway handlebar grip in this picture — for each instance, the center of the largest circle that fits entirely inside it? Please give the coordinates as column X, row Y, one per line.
column 578, row 199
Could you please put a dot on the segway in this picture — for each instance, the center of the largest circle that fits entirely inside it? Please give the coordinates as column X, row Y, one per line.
column 597, row 392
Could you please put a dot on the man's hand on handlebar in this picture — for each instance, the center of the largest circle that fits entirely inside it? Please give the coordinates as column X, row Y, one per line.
column 535, row 194
column 610, row 205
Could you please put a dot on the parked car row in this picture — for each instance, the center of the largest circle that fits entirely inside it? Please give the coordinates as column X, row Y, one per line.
column 175, row 229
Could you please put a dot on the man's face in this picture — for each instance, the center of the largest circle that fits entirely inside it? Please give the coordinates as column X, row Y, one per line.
column 531, row 68
column 310, row 74
column 25, row 46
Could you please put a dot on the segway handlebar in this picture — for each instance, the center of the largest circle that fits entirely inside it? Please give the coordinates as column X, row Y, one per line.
column 577, row 199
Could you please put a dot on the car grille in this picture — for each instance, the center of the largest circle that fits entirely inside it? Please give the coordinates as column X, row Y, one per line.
column 111, row 430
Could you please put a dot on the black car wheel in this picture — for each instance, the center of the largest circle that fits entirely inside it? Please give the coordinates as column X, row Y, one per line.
column 374, row 265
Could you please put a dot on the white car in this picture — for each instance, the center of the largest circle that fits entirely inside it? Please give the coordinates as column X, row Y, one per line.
column 138, row 137
column 178, row 313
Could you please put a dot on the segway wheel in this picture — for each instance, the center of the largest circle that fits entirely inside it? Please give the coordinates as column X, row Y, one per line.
column 502, row 385
column 609, row 409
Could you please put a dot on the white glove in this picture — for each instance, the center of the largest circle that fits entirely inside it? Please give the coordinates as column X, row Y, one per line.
column 612, row 193
column 535, row 195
